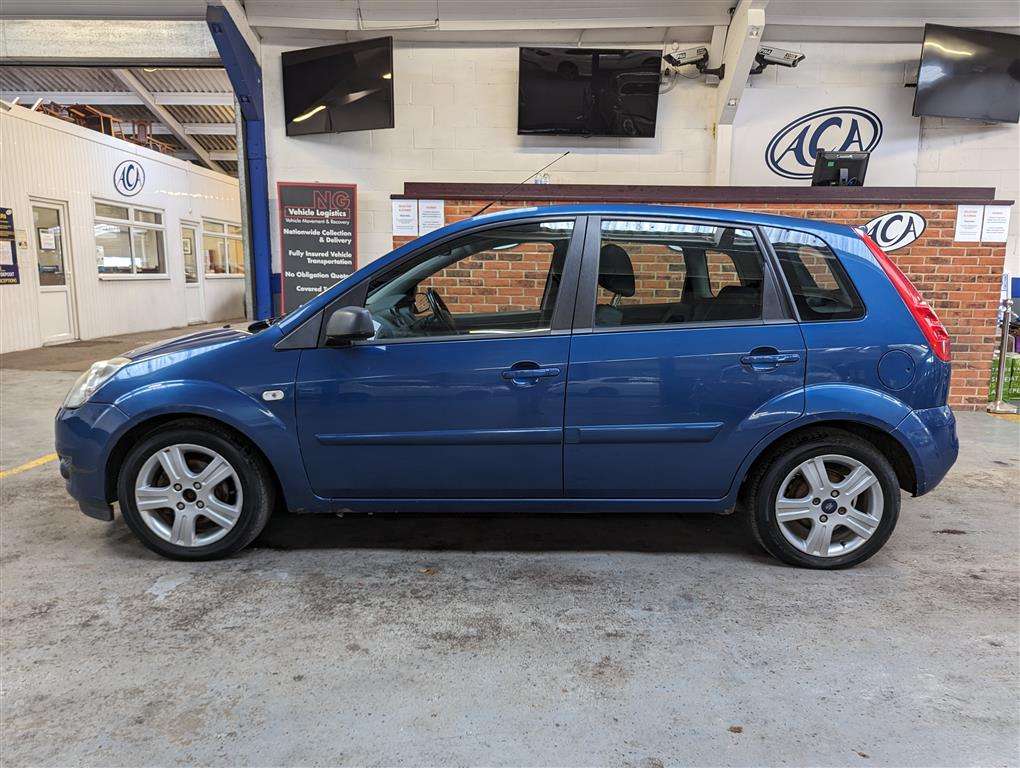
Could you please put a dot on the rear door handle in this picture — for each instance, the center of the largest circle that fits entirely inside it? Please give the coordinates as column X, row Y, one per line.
column 762, row 362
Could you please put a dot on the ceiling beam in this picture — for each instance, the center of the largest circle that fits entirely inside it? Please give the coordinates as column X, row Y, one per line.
column 99, row 98
column 192, row 129
column 215, row 154
column 110, row 43
column 742, row 41
column 165, row 117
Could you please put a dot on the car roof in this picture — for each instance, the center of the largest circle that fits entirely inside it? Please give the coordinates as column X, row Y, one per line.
column 672, row 211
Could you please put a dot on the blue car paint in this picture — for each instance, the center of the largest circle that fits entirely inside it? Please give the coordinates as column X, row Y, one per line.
column 486, row 423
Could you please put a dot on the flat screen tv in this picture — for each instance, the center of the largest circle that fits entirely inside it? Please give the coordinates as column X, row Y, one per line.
column 969, row 73
column 337, row 88
column 588, row 92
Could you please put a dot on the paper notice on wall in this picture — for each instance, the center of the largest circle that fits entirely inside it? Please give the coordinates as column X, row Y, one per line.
column 995, row 228
column 47, row 240
column 968, row 223
column 431, row 215
column 405, row 218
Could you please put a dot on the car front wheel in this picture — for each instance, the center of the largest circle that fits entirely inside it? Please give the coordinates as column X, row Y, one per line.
column 826, row 500
column 193, row 491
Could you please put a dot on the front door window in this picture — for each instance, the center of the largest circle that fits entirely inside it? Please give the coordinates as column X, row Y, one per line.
column 49, row 245
column 190, row 248
column 497, row 281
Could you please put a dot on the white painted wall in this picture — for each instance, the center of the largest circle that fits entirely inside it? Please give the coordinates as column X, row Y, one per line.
column 456, row 113
column 456, row 120
column 43, row 157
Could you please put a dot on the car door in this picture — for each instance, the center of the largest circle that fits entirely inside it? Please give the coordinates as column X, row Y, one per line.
column 460, row 394
column 684, row 356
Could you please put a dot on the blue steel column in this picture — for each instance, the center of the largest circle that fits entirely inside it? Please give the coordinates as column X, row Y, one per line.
column 246, row 79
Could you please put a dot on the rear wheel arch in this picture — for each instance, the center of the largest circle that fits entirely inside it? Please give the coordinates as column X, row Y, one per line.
column 118, row 453
column 893, row 450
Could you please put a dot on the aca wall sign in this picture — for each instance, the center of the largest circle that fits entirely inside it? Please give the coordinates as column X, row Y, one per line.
column 892, row 231
column 791, row 151
column 129, row 178
column 779, row 130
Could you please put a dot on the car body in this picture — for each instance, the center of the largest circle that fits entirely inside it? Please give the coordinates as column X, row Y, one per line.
column 577, row 391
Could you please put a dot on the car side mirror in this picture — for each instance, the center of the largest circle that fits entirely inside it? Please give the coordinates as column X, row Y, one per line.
column 349, row 324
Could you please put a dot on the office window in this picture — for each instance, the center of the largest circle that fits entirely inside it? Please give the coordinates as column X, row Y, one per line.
column 224, row 249
column 129, row 240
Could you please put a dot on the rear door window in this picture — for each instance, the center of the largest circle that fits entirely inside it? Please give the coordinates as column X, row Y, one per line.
column 820, row 286
column 665, row 273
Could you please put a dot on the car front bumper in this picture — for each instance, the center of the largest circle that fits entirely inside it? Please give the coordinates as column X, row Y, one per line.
column 930, row 435
column 84, row 439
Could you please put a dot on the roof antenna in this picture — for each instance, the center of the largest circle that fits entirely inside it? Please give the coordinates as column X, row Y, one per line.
column 503, row 197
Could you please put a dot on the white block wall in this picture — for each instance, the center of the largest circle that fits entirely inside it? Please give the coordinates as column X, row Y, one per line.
column 456, row 118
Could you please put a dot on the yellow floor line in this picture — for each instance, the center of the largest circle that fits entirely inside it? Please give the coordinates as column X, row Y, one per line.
column 1008, row 416
column 29, row 465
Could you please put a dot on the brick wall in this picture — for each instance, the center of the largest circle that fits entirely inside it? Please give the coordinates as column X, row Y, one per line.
column 960, row 280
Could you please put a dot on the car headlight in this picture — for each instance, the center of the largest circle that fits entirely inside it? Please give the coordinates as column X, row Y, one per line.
column 95, row 377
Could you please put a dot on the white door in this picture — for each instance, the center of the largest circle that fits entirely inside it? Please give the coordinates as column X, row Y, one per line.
column 194, row 296
column 57, row 319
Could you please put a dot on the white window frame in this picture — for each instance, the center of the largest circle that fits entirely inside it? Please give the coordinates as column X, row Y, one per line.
column 225, row 234
column 131, row 224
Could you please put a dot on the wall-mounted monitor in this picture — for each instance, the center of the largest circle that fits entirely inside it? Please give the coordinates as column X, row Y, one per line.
column 588, row 92
column 337, row 88
column 969, row 73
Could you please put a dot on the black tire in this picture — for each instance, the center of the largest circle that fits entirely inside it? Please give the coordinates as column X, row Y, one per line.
column 764, row 487
column 254, row 475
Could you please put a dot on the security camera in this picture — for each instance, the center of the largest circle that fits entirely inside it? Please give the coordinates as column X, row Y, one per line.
column 768, row 55
column 696, row 57
column 691, row 56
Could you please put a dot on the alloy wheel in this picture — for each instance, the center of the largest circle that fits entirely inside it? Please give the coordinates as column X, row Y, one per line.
column 829, row 505
column 188, row 495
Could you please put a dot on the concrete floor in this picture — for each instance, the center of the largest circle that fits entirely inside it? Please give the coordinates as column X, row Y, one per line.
column 512, row 640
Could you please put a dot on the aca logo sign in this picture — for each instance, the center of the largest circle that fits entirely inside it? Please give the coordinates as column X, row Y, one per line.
column 892, row 231
column 791, row 152
column 128, row 178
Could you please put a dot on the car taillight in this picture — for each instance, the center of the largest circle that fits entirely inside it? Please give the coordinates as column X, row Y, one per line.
column 932, row 328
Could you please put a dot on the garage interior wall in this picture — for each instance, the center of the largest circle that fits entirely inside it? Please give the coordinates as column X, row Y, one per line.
column 51, row 160
column 456, row 120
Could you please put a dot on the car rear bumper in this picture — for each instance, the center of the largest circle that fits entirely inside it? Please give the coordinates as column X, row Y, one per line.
column 84, row 437
column 930, row 436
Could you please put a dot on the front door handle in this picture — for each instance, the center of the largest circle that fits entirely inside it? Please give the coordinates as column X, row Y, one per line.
column 526, row 373
column 529, row 374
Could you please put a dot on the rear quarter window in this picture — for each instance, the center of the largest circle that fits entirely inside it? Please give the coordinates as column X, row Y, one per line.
column 821, row 288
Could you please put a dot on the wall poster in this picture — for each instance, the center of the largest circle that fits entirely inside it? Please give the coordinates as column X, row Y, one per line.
column 318, row 238
column 8, row 249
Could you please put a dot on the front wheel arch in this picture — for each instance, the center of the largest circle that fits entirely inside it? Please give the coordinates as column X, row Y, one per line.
column 115, row 461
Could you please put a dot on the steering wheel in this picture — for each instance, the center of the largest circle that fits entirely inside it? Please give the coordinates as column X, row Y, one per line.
column 440, row 311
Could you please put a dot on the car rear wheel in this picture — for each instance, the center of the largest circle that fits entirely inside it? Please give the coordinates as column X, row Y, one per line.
column 192, row 491
column 826, row 500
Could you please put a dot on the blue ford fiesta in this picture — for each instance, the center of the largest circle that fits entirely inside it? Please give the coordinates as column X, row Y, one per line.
column 570, row 358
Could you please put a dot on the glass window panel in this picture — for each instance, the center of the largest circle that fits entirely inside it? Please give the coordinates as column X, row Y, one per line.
column 235, row 257
column 49, row 246
column 663, row 273
column 215, row 255
column 212, row 226
column 109, row 211
column 149, row 217
column 190, row 249
column 148, row 251
column 233, row 229
column 820, row 286
column 113, row 248
column 496, row 281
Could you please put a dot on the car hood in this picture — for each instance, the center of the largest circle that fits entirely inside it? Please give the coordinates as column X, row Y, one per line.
column 187, row 343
